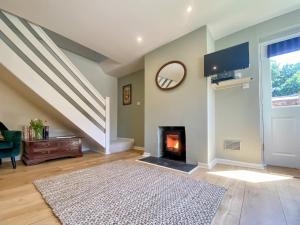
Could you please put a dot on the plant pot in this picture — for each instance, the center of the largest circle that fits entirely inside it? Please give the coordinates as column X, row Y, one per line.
column 38, row 134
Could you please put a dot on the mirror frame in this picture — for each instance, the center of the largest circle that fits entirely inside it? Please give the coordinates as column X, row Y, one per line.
column 163, row 66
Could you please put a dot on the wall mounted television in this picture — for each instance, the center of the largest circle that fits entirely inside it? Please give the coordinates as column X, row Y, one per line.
column 229, row 59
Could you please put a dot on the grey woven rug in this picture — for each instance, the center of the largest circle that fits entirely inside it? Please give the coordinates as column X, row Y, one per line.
column 130, row 193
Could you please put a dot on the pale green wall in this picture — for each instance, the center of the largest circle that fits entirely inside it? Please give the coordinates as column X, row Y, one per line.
column 185, row 105
column 131, row 117
column 237, row 110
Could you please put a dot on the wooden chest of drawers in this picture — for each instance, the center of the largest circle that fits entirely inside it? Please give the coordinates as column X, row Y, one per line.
column 37, row 151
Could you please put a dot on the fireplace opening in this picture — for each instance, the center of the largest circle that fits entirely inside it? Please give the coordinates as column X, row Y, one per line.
column 173, row 143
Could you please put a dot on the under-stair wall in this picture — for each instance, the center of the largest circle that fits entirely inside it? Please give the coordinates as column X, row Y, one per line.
column 29, row 54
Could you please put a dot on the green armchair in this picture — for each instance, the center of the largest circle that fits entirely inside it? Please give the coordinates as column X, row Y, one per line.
column 11, row 146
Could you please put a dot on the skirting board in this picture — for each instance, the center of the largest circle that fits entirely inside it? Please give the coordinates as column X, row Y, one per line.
column 216, row 161
column 146, row 154
column 241, row 164
column 138, row 148
column 209, row 165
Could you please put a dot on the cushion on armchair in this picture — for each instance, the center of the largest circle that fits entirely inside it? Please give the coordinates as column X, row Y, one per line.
column 6, row 145
column 11, row 146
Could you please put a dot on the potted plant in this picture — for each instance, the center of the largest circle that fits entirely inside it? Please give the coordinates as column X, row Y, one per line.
column 37, row 126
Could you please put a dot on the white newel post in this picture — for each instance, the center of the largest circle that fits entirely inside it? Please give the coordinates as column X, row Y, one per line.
column 107, row 125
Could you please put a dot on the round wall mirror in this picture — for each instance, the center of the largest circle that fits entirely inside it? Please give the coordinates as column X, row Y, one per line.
column 170, row 75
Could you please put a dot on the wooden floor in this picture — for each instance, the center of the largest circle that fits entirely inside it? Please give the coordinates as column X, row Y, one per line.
column 245, row 203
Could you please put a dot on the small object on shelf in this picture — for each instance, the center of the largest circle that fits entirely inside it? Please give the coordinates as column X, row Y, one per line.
column 216, row 79
column 241, row 82
column 46, row 132
column 30, row 133
column 37, row 125
column 25, row 132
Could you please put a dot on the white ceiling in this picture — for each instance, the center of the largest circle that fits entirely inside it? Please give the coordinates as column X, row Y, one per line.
column 111, row 27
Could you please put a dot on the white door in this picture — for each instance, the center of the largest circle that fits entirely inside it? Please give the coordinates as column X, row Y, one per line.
column 281, row 109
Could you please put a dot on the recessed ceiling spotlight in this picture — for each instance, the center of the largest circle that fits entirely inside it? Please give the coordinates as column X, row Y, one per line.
column 139, row 39
column 189, row 9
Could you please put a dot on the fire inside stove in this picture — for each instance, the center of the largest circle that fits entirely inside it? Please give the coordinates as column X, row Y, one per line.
column 173, row 142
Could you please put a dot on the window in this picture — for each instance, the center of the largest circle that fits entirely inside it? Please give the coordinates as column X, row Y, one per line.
column 285, row 71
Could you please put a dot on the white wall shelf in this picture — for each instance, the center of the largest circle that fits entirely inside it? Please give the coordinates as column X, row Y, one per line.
column 240, row 82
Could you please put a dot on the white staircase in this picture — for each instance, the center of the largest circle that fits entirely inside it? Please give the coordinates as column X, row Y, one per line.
column 28, row 53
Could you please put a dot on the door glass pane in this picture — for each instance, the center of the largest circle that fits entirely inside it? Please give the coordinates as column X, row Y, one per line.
column 285, row 71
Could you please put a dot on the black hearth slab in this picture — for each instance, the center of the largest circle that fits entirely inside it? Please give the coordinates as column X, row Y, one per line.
column 169, row 163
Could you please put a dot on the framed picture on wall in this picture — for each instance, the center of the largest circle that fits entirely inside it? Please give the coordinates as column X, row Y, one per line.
column 127, row 94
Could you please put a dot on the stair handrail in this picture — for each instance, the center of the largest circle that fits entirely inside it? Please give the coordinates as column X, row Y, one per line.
column 70, row 64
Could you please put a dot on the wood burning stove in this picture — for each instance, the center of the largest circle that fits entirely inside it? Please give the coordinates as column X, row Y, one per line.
column 173, row 143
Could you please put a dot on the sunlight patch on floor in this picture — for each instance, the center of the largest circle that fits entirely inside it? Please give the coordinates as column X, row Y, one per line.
column 251, row 176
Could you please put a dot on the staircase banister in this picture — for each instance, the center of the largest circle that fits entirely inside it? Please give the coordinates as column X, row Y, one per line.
column 107, row 126
column 76, row 71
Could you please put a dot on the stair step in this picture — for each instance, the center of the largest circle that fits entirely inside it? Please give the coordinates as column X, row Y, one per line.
column 121, row 144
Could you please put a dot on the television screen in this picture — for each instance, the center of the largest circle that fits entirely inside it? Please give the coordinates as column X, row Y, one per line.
column 228, row 59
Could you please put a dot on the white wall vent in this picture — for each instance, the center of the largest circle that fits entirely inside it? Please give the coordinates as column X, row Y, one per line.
column 232, row 145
